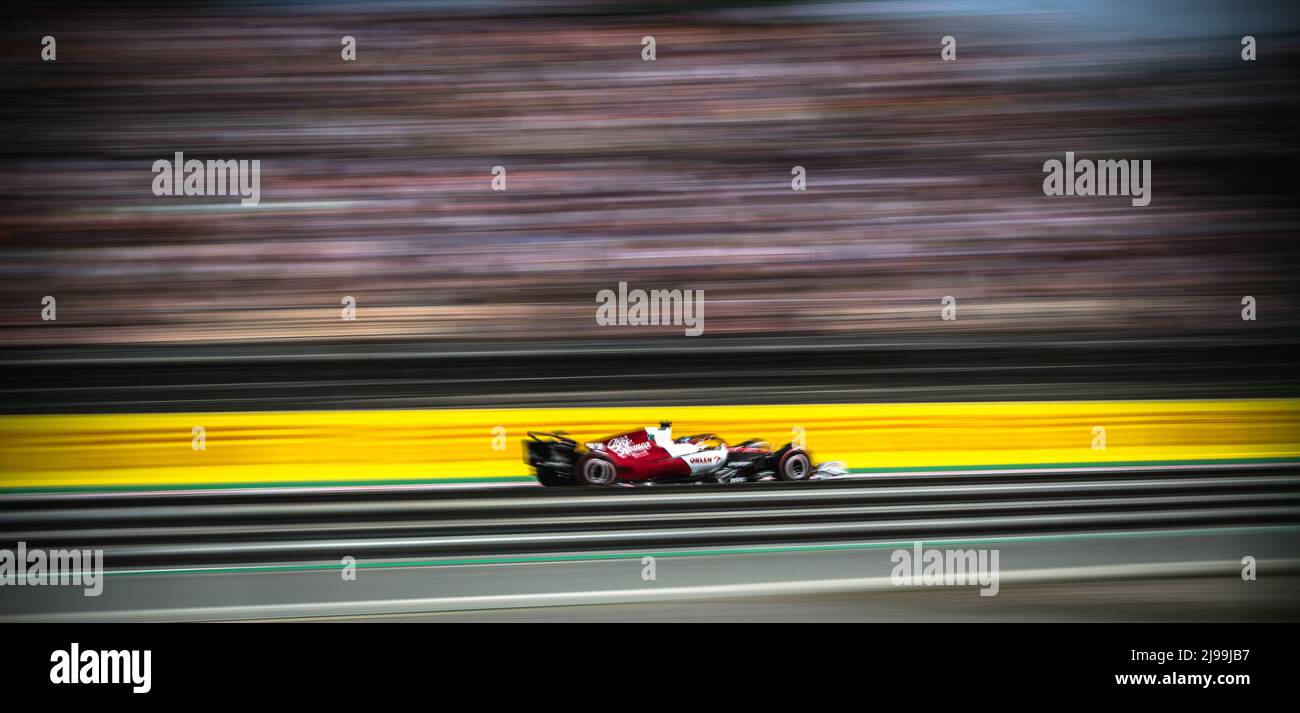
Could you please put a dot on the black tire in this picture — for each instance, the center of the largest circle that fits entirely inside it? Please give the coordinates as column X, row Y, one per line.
column 595, row 469
column 794, row 465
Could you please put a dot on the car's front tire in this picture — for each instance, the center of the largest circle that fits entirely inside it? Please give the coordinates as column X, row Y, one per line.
column 596, row 469
column 794, row 465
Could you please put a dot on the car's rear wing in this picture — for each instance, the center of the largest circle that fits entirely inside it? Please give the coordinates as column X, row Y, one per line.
column 543, row 436
column 550, row 450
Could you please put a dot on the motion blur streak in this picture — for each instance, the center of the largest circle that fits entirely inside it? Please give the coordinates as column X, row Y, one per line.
column 1107, row 405
column 209, row 555
column 924, row 176
column 89, row 451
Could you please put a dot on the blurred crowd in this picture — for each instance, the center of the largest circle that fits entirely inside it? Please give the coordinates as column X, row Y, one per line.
column 924, row 176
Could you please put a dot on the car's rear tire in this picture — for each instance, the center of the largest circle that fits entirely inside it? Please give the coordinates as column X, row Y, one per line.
column 794, row 465
column 596, row 469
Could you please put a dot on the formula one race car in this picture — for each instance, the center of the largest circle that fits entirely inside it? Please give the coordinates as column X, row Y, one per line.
column 651, row 456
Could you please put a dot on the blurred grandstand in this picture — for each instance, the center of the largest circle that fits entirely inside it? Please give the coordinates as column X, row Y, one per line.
column 924, row 176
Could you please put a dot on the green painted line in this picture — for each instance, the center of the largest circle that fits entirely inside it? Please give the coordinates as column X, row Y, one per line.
column 757, row 550
column 531, row 479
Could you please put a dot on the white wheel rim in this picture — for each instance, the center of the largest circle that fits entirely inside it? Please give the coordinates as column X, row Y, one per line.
column 598, row 472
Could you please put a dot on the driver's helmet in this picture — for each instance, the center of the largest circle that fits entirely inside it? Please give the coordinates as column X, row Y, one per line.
column 664, row 433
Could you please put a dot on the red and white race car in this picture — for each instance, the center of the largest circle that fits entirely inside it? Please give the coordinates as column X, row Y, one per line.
column 651, row 455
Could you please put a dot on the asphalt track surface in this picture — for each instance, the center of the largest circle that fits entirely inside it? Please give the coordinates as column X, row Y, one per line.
column 1156, row 543
column 1211, row 598
column 517, row 550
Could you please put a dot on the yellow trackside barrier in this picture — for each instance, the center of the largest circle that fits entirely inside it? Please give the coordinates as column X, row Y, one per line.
column 150, row 450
